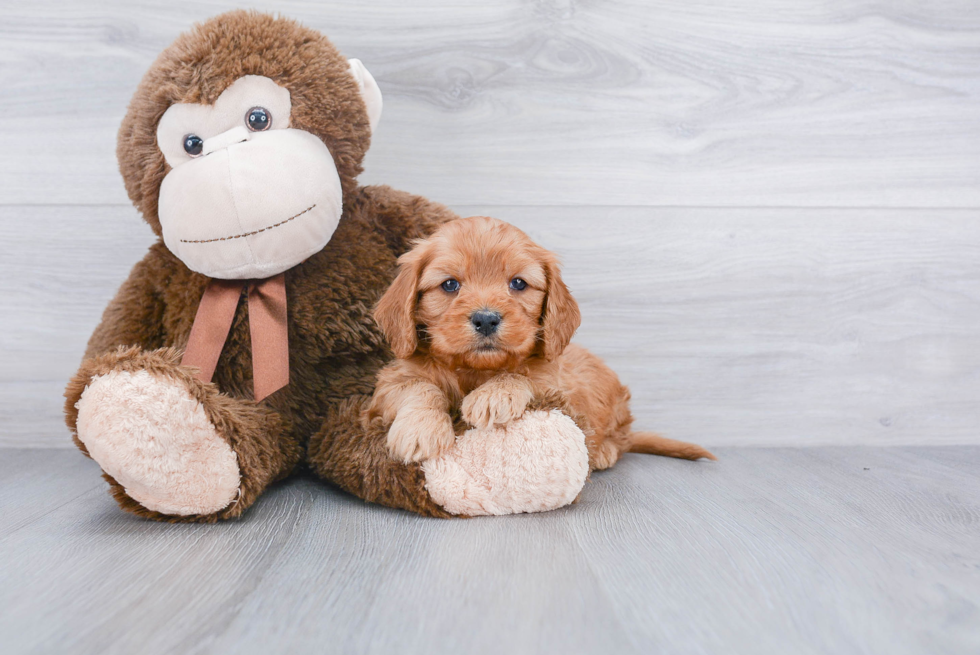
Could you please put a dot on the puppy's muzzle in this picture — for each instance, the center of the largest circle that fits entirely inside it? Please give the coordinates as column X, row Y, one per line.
column 485, row 321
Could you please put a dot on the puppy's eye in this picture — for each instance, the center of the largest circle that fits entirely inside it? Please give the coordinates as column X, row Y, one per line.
column 193, row 145
column 450, row 285
column 517, row 284
column 258, row 119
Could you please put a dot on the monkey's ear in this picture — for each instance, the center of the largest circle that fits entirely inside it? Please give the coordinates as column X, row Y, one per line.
column 369, row 91
column 395, row 312
column 561, row 315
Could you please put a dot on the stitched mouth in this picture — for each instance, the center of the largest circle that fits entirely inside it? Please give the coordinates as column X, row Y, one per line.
column 248, row 234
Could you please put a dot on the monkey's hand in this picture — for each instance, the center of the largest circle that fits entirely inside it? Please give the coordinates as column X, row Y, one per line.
column 497, row 401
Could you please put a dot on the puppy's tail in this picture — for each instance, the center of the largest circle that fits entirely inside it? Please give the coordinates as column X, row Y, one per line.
column 652, row 444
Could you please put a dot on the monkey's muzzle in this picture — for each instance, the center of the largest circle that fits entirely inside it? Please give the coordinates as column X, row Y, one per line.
column 255, row 205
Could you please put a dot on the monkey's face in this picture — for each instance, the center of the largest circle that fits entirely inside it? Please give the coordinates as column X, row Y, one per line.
column 247, row 196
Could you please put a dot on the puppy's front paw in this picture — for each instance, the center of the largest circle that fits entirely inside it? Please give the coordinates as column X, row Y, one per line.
column 419, row 434
column 495, row 404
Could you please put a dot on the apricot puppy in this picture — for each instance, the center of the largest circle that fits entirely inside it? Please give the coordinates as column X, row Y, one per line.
column 480, row 322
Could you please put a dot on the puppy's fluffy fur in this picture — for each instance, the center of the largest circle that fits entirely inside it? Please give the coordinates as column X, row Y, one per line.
column 447, row 367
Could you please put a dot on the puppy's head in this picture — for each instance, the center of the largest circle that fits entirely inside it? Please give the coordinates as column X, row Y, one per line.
column 483, row 296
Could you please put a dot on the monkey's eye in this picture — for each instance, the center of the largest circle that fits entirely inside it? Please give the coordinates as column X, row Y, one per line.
column 193, row 145
column 450, row 286
column 517, row 284
column 258, row 119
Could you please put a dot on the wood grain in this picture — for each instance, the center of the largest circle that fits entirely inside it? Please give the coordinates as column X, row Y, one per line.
column 688, row 161
column 557, row 102
column 819, row 550
column 734, row 326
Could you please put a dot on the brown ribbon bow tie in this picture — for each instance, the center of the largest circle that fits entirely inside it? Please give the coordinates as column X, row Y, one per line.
column 266, row 322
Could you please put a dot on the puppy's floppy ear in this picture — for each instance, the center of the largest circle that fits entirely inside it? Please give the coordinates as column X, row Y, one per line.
column 561, row 316
column 395, row 312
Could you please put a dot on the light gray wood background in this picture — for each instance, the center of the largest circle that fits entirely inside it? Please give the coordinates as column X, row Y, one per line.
column 769, row 212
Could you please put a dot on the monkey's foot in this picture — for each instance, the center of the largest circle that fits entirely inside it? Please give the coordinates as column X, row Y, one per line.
column 537, row 463
column 150, row 435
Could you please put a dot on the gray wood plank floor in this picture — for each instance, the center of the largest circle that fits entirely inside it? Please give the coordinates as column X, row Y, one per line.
column 818, row 550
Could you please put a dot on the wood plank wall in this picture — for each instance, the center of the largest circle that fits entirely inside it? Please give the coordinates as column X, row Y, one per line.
column 769, row 212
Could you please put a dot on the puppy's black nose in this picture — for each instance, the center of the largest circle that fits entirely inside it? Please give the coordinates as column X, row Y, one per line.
column 485, row 321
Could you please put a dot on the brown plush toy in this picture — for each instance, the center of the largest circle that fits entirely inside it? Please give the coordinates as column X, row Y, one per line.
column 242, row 346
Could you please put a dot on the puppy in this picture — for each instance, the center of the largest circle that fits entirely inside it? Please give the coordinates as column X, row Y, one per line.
column 480, row 321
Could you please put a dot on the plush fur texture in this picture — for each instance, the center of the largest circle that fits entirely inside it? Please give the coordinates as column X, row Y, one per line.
column 477, row 267
column 536, row 465
column 205, row 61
column 264, row 448
column 177, row 463
column 335, row 346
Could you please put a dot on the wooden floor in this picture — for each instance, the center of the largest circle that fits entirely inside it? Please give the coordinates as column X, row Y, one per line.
column 818, row 550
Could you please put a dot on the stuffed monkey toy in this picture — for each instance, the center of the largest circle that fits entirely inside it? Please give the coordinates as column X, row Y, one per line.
column 242, row 349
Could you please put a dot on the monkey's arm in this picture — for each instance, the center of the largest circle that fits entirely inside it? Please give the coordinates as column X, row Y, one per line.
column 172, row 447
column 134, row 317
